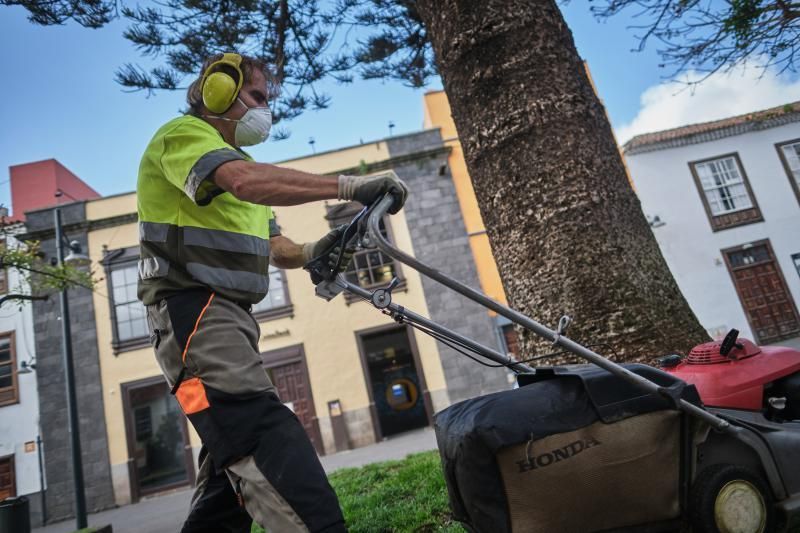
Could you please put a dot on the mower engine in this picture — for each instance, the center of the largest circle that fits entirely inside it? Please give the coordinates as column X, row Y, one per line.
column 737, row 374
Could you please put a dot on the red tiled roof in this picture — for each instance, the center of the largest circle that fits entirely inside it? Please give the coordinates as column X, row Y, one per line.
column 638, row 142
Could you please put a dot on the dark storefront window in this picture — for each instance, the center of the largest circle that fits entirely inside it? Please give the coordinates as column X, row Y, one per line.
column 395, row 381
column 157, row 438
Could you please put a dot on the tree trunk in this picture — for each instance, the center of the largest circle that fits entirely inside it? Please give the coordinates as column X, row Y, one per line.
column 565, row 225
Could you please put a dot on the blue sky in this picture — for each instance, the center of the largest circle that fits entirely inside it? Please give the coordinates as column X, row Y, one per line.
column 59, row 100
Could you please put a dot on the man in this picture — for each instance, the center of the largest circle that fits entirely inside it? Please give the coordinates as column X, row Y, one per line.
column 207, row 236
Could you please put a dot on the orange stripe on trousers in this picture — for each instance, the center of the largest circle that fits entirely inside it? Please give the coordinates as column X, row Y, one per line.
column 196, row 325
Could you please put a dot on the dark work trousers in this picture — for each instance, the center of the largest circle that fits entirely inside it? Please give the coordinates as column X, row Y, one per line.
column 215, row 505
column 257, row 450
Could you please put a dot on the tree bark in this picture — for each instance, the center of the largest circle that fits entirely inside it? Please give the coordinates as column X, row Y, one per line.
column 565, row 225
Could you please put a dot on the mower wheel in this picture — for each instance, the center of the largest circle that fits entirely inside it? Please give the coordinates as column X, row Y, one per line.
column 730, row 499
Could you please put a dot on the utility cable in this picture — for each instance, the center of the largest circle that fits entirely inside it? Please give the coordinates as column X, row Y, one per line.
column 464, row 349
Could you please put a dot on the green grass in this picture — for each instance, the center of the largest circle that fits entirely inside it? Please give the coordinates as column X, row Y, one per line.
column 395, row 496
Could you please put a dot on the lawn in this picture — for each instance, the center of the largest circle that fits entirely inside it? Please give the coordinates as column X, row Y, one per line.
column 407, row 495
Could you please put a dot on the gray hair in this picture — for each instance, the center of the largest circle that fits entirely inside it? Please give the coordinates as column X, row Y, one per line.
column 249, row 65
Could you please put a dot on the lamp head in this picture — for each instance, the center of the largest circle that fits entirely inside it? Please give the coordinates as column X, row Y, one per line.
column 76, row 257
column 26, row 368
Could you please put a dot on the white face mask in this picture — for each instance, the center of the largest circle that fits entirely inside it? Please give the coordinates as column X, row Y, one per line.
column 253, row 127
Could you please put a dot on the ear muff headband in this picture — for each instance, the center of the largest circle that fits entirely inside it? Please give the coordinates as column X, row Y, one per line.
column 219, row 88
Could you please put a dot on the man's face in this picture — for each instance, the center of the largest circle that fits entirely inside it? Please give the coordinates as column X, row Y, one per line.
column 253, row 94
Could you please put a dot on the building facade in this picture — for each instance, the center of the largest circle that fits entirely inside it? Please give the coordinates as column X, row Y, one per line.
column 34, row 450
column 50, row 378
column 20, row 449
column 723, row 199
column 351, row 374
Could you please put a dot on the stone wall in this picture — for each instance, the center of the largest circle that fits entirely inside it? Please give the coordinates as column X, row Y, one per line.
column 52, row 386
column 440, row 240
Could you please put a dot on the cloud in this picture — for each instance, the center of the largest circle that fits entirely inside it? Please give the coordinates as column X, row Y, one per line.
column 744, row 89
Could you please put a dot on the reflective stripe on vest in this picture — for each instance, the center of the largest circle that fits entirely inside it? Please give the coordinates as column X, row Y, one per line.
column 226, row 241
column 153, row 267
column 207, row 255
column 153, row 231
column 230, row 279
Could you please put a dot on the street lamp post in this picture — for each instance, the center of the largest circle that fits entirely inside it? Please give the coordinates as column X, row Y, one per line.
column 72, row 404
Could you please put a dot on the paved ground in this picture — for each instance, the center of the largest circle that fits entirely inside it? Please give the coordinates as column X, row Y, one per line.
column 165, row 514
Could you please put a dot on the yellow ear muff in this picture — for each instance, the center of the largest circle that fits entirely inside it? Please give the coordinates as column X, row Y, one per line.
column 220, row 89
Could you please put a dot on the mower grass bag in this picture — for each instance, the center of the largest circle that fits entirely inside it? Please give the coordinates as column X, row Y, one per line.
column 574, row 449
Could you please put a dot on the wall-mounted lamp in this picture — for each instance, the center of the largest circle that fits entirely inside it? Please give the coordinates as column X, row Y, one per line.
column 655, row 221
column 76, row 257
column 26, row 367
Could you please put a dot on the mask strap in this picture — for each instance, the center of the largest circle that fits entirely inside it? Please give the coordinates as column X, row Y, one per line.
column 220, row 117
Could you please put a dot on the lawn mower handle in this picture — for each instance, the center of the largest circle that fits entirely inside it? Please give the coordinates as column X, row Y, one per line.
column 556, row 337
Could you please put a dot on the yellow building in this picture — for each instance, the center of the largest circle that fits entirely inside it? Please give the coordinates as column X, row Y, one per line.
column 438, row 115
column 350, row 373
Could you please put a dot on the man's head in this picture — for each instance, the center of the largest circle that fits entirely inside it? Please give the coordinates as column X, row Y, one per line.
column 222, row 74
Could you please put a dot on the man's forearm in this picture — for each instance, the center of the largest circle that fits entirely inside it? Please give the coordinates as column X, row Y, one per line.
column 262, row 183
column 285, row 253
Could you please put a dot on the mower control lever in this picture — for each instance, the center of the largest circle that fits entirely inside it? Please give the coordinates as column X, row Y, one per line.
column 729, row 342
column 563, row 323
column 320, row 267
column 382, row 298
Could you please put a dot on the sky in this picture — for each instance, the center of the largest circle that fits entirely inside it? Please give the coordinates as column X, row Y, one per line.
column 58, row 98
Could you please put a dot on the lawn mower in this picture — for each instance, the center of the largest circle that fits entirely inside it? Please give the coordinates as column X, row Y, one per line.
column 706, row 443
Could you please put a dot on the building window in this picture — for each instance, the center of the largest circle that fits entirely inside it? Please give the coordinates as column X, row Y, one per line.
column 3, row 270
column 129, row 312
column 276, row 303
column 723, row 186
column 8, row 488
column 796, row 261
column 725, row 192
column 510, row 339
column 143, row 422
column 370, row 268
column 789, row 153
column 128, row 316
column 8, row 370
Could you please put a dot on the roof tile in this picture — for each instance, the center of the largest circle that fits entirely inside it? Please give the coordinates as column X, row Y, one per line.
column 707, row 131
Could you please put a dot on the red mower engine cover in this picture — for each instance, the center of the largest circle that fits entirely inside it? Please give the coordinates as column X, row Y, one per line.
column 736, row 381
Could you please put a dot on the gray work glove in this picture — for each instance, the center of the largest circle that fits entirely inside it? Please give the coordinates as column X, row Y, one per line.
column 367, row 189
column 312, row 250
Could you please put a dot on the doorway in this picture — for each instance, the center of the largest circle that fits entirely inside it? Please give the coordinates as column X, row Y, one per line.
column 761, row 288
column 8, row 487
column 398, row 393
column 160, row 456
column 288, row 372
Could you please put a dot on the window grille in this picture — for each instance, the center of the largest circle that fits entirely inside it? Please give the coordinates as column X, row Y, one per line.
column 371, row 267
column 723, row 186
column 792, row 154
column 8, row 370
column 277, row 297
column 130, row 320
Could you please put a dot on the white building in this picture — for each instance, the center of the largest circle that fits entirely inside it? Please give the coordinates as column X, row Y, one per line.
column 19, row 402
column 723, row 199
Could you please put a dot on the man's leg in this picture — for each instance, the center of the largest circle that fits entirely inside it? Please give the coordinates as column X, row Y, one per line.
column 215, row 507
column 230, row 401
column 282, row 481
